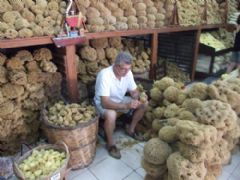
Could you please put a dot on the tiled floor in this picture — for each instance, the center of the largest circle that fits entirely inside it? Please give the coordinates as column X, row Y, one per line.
column 105, row 167
column 128, row 167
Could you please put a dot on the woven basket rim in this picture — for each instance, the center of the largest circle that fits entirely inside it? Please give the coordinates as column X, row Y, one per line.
column 81, row 124
column 42, row 146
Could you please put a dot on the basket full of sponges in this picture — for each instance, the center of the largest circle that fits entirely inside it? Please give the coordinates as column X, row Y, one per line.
column 44, row 162
column 77, row 126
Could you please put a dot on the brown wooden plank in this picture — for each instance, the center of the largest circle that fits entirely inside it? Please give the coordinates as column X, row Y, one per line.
column 195, row 55
column 24, row 42
column 154, row 55
column 119, row 33
column 71, row 73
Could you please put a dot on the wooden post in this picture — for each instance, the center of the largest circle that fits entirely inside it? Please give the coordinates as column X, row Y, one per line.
column 154, row 55
column 71, row 73
column 195, row 55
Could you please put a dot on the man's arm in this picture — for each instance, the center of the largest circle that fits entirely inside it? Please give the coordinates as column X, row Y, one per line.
column 108, row 104
column 135, row 94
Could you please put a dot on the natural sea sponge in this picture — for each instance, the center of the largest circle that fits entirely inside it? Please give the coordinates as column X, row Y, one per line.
column 196, row 134
column 156, row 151
column 88, row 53
column 164, row 83
column 171, row 94
column 3, row 26
column 153, row 170
column 11, row 33
column 10, row 16
column 48, row 66
column 130, row 12
column 3, row 75
column 198, row 90
column 6, row 108
column 5, row 6
column 115, row 42
column 156, row 94
column 158, row 112
column 121, row 26
column 42, row 54
column 99, row 43
column 216, row 113
column 180, row 168
column 2, row 58
column 168, row 134
column 192, row 104
column 92, row 13
column 35, row 77
column 32, row 66
column 28, row 15
column 24, row 55
column 15, row 64
column 171, row 111
column 186, row 115
column 125, row 4
column 192, row 153
column 21, row 23
column 18, row 77
column 111, row 54
column 12, row 91
column 157, row 124
column 25, row 33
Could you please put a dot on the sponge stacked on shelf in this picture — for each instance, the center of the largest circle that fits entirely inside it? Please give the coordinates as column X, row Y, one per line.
column 209, row 40
column 29, row 18
column 27, row 81
column 101, row 53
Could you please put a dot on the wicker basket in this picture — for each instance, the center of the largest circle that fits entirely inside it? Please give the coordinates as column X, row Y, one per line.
column 81, row 140
column 59, row 174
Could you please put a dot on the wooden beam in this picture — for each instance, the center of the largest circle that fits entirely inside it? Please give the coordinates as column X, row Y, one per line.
column 195, row 55
column 71, row 73
column 154, row 55
column 24, row 42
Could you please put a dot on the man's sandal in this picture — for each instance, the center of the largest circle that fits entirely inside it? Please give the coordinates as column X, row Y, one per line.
column 135, row 136
column 114, row 151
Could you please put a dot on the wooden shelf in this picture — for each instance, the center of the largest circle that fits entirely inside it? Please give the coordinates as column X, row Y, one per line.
column 24, row 42
column 66, row 41
column 70, row 49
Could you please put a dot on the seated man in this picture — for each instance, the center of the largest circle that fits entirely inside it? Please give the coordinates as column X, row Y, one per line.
column 112, row 83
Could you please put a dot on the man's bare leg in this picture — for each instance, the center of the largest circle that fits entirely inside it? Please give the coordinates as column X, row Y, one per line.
column 137, row 116
column 110, row 117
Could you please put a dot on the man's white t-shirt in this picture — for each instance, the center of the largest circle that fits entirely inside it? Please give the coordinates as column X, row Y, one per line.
column 108, row 85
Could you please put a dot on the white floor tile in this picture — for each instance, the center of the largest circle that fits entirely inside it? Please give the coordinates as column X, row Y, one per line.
column 13, row 178
column 236, row 158
column 101, row 154
column 224, row 176
column 229, row 168
column 134, row 176
column 236, row 171
column 132, row 156
column 87, row 175
column 233, row 177
column 111, row 169
column 141, row 172
column 142, row 144
column 75, row 173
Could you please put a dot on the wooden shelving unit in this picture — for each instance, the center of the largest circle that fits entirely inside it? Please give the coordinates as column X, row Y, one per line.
column 70, row 68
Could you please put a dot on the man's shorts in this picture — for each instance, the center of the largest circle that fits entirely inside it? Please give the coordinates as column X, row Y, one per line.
column 101, row 110
column 236, row 57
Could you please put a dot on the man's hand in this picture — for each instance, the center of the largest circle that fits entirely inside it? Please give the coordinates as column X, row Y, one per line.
column 134, row 104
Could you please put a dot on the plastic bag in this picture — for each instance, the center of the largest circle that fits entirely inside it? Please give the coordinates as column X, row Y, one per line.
column 6, row 167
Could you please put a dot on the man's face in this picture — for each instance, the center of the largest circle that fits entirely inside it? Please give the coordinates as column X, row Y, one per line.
column 122, row 69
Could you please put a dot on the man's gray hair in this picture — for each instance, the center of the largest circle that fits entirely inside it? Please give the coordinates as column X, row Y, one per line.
column 124, row 57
